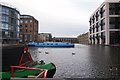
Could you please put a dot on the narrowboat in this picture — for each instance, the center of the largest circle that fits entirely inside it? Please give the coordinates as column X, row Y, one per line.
column 51, row 44
column 18, row 63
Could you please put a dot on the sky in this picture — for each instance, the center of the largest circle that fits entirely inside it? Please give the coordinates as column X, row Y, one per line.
column 61, row 18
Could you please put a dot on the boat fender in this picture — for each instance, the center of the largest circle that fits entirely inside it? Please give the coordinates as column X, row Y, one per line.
column 25, row 50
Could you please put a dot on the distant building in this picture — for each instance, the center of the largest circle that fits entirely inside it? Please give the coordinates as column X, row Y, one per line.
column 65, row 39
column 105, row 23
column 83, row 38
column 9, row 24
column 28, row 28
column 43, row 37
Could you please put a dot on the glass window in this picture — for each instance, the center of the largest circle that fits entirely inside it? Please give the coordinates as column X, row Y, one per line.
column 21, row 21
column 17, row 15
column 11, row 34
column 114, row 23
column 12, row 20
column 5, row 10
column 12, row 12
column 30, row 20
column 10, row 27
column 26, row 21
column 20, row 30
column 18, row 22
column 5, row 26
column 114, row 37
column 114, row 8
column 5, row 18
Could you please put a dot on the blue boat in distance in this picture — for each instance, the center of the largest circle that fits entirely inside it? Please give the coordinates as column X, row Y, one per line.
column 51, row 44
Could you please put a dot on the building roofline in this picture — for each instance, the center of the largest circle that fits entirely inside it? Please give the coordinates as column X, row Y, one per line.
column 97, row 9
column 44, row 33
column 65, row 37
column 9, row 6
column 103, row 3
column 28, row 16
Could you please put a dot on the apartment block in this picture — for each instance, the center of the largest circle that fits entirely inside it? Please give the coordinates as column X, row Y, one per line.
column 28, row 28
column 105, row 23
column 9, row 24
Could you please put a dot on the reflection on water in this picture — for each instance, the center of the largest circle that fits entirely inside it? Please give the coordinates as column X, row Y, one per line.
column 83, row 61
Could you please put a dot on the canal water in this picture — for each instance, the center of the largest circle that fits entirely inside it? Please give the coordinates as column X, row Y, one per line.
column 82, row 61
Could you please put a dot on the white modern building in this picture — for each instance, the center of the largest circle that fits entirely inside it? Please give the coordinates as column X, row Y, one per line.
column 105, row 23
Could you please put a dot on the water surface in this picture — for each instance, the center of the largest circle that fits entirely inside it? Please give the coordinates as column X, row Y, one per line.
column 83, row 61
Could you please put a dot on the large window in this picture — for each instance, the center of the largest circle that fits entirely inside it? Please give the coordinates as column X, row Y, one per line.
column 12, row 13
column 114, row 8
column 5, row 18
column 115, row 37
column 114, row 23
column 5, row 26
column 5, row 34
column 5, row 10
column 21, row 21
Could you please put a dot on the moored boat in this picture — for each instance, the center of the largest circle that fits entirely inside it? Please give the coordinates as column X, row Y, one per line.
column 51, row 44
column 18, row 63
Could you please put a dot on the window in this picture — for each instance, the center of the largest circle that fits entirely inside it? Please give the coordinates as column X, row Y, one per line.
column 30, row 20
column 5, row 26
column 13, row 20
column 5, row 10
column 20, row 30
column 21, row 36
column 25, row 25
column 18, row 22
column 114, row 23
column 30, row 25
column 5, row 18
column 114, row 8
column 21, row 21
column 26, row 21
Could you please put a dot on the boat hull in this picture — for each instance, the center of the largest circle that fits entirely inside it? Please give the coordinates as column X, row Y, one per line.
column 25, row 73
column 52, row 44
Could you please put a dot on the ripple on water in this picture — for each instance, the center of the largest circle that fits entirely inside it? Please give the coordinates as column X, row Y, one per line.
column 88, row 61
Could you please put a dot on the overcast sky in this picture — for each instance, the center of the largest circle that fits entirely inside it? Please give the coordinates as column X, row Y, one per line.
column 65, row 18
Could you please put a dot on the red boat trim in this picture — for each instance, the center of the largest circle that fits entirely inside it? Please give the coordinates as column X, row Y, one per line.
column 20, row 67
column 30, row 59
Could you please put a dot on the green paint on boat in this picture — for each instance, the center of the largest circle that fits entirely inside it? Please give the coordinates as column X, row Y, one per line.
column 24, row 73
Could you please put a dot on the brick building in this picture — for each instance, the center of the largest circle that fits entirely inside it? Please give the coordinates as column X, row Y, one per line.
column 28, row 28
column 43, row 37
column 83, row 38
column 65, row 39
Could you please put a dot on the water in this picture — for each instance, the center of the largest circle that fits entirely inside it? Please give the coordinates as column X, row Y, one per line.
column 83, row 61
